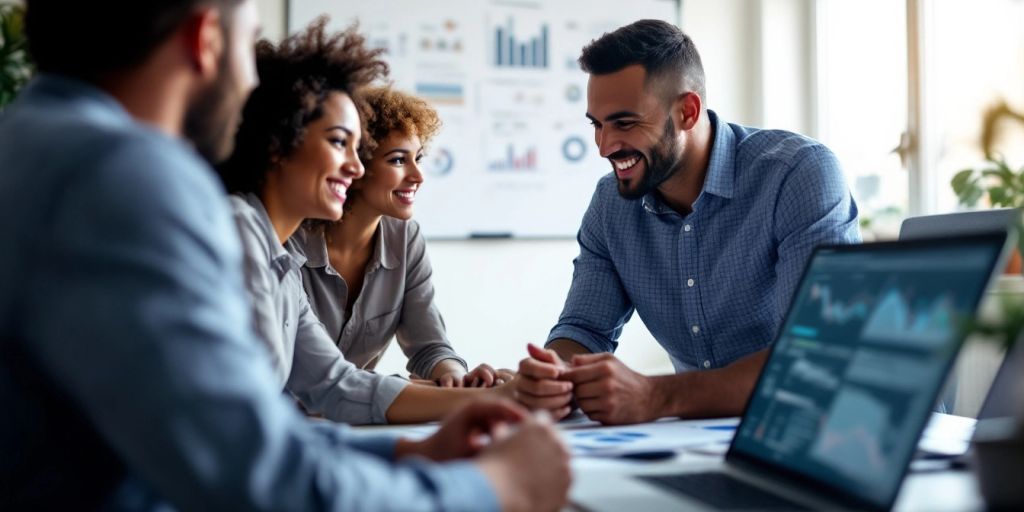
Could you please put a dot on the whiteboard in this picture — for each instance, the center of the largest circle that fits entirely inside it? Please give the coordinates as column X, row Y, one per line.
column 516, row 154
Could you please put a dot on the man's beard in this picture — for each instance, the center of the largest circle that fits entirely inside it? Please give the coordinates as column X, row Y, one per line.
column 212, row 119
column 665, row 160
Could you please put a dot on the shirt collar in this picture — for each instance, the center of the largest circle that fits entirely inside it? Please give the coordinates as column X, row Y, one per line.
column 722, row 163
column 312, row 243
column 284, row 258
column 721, row 167
column 383, row 253
column 310, row 240
column 97, row 104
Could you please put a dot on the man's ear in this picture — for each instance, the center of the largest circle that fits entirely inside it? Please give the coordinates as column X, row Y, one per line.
column 204, row 40
column 686, row 110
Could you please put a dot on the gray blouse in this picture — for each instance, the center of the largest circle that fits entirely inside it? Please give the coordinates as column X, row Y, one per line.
column 305, row 359
column 397, row 299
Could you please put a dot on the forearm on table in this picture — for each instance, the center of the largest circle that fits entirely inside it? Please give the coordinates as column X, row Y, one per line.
column 419, row 404
column 708, row 394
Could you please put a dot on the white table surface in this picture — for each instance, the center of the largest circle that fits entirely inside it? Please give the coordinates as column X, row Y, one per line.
column 603, row 483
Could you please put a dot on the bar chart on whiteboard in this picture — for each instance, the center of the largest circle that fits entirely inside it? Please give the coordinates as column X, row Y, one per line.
column 516, row 155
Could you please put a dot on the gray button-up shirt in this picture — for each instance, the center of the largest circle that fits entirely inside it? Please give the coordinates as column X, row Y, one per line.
column 307, row 362
column 397, row 299
column 130, row 376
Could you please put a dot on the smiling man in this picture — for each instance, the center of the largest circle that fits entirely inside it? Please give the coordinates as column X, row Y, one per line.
column 703, row 228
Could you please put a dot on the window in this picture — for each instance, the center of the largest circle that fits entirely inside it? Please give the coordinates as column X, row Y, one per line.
column 968, row 56
column 862, row 102
column 973, row 55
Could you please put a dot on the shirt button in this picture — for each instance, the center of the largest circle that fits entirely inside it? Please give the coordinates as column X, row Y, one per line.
column 695, row 329
column 687, row 227
column 689, row 282
column 707, row 364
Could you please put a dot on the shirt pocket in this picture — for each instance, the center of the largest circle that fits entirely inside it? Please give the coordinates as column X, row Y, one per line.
column 378, row 332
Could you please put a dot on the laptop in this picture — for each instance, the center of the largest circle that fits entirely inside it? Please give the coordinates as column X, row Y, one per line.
column 837, row 411
column 1003, row 399
column 955, row 224
column 959, row 223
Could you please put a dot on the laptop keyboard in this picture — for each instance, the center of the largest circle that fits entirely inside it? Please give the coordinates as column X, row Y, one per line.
column 722, row 491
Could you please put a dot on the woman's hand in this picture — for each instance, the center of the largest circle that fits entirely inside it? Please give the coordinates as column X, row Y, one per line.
column 485, row 376
column 448, row 373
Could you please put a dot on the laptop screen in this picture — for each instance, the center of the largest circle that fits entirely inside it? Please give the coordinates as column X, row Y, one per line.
column 857, row 365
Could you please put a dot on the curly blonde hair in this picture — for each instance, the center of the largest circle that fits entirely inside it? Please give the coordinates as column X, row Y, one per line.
column 385, row 110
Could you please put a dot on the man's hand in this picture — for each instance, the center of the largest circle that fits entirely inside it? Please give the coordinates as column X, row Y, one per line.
column 537, row 384
column 466, row 431
column 529, row 468
column 611, row 393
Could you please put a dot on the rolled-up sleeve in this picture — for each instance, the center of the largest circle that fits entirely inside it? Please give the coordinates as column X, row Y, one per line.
column 327, row 383
column 597, row 306
column 421, row 331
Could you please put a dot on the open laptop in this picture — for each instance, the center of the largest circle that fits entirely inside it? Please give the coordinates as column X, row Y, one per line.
column 955, row 224
column 1003, row 399
column 959, row 223
column 837, row 411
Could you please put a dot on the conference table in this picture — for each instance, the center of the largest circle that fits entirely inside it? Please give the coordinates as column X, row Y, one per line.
column 607, row 460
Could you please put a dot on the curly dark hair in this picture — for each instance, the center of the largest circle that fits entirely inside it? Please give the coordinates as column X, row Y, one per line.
column 386, row 109
column 296, row 77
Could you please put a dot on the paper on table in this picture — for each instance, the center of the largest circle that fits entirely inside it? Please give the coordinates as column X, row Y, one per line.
column 649, row 437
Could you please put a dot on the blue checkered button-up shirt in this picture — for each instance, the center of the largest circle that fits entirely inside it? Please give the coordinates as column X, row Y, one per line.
column 714, row 285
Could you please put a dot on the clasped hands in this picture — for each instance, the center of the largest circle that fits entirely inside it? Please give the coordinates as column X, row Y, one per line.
column 602, row 386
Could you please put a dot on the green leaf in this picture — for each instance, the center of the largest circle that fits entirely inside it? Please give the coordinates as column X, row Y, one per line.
column 962, row 180
column 971, row 197
column 1000, row 196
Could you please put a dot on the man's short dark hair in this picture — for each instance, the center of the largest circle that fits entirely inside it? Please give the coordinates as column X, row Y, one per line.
column 665, row 52
column 87, row 39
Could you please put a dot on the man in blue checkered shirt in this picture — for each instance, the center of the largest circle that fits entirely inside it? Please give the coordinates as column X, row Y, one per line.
column 703, row 229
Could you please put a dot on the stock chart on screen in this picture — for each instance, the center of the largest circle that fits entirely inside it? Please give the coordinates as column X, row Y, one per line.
column 869, row 335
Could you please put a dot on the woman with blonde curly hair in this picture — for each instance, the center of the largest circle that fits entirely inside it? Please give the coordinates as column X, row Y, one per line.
column 368, row 276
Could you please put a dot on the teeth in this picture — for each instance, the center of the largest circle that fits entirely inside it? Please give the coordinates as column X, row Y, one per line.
column 626, row 164
column 405, row 195
column 337, row 188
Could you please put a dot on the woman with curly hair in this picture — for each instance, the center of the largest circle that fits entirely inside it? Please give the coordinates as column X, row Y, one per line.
column 368, row 276
column 295, row 159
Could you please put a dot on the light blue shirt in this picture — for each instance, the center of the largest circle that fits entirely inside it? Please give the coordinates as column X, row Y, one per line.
column 714, row 285
column 130, row 376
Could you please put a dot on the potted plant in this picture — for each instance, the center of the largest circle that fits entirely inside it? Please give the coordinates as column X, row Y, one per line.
column 998, row 444
column 15, row 66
